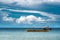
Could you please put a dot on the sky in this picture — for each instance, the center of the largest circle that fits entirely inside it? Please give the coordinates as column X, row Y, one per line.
column 29, row 13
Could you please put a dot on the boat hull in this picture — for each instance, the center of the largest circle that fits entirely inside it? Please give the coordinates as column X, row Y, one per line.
column 37, row 30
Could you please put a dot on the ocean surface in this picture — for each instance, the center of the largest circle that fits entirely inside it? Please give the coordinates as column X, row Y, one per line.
column 22, row 34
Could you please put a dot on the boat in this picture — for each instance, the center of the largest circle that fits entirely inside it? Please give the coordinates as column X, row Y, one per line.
column 46, row 29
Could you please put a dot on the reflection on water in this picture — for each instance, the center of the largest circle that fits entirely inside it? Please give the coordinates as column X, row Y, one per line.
column 22, row 34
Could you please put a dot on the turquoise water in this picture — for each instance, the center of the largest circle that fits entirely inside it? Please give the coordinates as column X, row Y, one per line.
column 22, row 34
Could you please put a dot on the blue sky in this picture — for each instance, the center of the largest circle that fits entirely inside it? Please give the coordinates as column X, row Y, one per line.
column 29, row 13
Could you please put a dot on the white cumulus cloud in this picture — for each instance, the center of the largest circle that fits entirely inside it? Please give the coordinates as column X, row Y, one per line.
column 6, row 18
column 29, row 19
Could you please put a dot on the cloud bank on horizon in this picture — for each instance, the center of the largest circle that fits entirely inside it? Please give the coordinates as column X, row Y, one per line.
column 9, row 16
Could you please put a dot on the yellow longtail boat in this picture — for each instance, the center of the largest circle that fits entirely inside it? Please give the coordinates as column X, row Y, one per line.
column 46, row 29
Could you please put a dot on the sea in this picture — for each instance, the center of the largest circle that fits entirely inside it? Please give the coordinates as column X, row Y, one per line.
column 22, row 34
